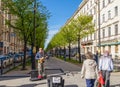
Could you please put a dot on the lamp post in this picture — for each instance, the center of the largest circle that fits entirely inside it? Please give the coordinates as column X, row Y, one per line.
column 99, row 40
column 34, row 38
column 79, row 51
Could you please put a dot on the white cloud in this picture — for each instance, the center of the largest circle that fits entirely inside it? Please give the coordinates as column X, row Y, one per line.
column 52, row 31
column 54, row 27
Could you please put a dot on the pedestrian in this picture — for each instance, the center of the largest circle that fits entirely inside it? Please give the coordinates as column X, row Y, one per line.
column 106, row 67
column 89, row 70
column 96, row 57
column 40, row 57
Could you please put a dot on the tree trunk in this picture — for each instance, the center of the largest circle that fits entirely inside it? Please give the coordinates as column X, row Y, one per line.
column 60, row 51
column 24, row 59
column 69, row 51
column 79, row 51
column 33, row 67
column 64, row 53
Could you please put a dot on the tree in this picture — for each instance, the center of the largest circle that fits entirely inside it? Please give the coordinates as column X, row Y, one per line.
column 22, row 11
column 84, row 26
column 68, row 32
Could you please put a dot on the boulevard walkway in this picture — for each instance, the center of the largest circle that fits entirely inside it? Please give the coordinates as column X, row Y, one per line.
column 72, row 78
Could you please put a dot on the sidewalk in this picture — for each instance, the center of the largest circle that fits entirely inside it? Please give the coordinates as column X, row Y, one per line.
column 71, row 80
column 18, row 78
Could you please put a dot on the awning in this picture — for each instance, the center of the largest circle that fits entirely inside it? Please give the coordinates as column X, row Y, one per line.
column 107, row 44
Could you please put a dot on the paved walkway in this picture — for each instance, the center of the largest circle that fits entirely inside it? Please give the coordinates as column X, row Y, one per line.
column 72, row 79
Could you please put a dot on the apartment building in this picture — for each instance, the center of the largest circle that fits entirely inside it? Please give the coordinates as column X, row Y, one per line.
column 106, row 18
column 9, row 41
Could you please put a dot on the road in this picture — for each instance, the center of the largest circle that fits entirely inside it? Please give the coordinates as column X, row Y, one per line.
column 54, row 63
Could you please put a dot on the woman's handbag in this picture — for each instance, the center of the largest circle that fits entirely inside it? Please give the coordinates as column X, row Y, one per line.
column 100, row 81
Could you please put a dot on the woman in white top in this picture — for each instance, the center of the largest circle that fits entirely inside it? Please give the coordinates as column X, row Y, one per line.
column 89, row 70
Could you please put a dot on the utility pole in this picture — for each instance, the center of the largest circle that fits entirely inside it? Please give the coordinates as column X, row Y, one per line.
column 79, row 49
column 99, row 41
column 34, row 38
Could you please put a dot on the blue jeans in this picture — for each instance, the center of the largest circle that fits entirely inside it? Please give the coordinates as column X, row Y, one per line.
column 90, row 82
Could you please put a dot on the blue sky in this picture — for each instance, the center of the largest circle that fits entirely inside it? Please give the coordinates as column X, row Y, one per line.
column 61, row 11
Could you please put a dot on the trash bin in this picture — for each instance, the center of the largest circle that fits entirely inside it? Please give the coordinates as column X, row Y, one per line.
column 55, row 81
column 34, row 75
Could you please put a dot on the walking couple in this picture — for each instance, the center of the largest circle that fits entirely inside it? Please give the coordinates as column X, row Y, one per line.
column 91, row 72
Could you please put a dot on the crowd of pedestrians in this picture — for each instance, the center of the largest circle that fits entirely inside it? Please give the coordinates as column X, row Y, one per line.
column 97, row 69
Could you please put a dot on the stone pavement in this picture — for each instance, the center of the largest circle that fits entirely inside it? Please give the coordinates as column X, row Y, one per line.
column 71, row 80
column 18, row 78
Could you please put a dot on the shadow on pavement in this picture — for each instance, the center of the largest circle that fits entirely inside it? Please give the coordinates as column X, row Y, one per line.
column 32, row 85
column 116, row 85
column 71, row 85
column 25, row 85
column 11, row 77
column 3, row 86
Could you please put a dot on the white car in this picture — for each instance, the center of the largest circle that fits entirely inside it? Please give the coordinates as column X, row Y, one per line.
column 5, row 60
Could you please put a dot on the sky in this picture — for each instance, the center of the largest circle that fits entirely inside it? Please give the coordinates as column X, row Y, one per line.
column 61, row 11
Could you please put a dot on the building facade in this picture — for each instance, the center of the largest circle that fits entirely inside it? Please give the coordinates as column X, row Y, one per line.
column 9, row 41
column 106, row 18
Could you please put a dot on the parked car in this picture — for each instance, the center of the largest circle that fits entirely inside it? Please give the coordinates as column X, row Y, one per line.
column 17, row 58
column 5, row 59
column 11, row 58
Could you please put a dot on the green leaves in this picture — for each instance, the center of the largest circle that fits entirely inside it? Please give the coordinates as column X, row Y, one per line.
column 23, row 16
column 81, row 26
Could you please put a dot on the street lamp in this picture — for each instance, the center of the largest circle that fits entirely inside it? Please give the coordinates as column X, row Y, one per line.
column 34, row 36
column 99, row 41
column 79, row 51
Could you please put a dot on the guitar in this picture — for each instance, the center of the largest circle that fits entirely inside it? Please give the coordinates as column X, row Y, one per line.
column 41, row 60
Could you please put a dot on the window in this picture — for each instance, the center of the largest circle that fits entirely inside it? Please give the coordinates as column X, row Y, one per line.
column 109, row 1
column 87, row 7
column 103, row 17
column 91, row 3
column 91, row 37
column 94, row 22
column 109, row 14
column 103, row 48
column 95, row 36
column 84, row 10
column 116, row 29
column 94, row 10
column 91, row 12
column 116, row 48
column 103, row 33
column 109, row 31
column 103, row 3
column 109, row 48
column 87, row 38
column 116, row 11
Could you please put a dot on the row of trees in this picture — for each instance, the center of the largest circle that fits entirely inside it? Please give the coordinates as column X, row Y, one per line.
column 29, row 20
column 72, row 32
